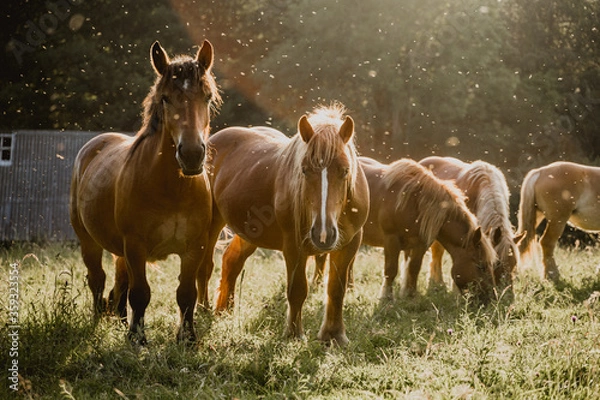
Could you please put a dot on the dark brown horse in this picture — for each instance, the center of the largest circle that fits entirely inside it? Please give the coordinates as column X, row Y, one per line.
column 145, row 197
column 410, row 209
column 487, row 196
column 560, row 193
column 305, row 195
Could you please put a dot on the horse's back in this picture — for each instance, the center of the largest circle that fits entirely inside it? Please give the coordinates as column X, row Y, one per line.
column 571, row 189
column 444, row 167
column 248, row 138
column 383, row 217
column 242, row 172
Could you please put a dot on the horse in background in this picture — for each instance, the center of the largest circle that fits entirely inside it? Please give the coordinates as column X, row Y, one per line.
column 410, row 209
column 305, row 195
column 487, row 196
column 145, row 197
column 560, row 193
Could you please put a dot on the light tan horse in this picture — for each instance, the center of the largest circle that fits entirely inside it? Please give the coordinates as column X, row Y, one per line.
column 487, row 196
column 145, row 197
column 410, row 208
column 305, row 195
column 561, row 193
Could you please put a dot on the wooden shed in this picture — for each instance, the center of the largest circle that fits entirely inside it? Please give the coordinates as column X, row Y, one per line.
column 35, row 176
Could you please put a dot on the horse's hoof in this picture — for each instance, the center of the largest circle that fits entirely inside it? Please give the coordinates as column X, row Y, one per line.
column 386, row 294
column 186, row 336
column 137, row 338
column 334, row 340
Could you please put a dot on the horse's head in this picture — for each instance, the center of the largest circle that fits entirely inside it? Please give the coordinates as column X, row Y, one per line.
column 506, row 247
column 328, row 168
column 473, row 269
column 182, row 99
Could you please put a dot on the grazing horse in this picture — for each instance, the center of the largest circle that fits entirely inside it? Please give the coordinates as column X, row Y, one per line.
column 410, row 208
column 305, row 195
column 487, row 196
column 145, row 197
column 561, row 193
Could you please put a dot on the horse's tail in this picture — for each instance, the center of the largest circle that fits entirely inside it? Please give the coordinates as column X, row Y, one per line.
column 527, row 211
column 225, row 237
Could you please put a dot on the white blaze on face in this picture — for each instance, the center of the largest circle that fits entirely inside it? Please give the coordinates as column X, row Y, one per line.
column 186, row 84
column 324, row 190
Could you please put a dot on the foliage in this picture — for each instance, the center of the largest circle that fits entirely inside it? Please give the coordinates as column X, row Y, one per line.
column 543, row 344
column 513, row 82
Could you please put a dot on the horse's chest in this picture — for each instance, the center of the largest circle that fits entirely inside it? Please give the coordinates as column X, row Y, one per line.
column 169, row 236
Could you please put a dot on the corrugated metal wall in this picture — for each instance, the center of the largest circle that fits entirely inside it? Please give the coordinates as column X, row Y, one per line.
column 34, row 189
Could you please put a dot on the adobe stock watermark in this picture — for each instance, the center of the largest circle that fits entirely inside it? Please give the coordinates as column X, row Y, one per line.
column 13, row 327
column 36, row 32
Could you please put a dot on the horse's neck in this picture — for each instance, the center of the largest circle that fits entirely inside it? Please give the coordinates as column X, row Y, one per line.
column 156, row 155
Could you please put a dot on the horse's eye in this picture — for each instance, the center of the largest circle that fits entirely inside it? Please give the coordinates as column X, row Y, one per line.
column 346, row 171
column 165, row 99
column 304, row 170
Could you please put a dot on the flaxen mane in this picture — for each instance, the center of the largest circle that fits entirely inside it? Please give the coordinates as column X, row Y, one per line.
column 492, row 202
column 441, row 202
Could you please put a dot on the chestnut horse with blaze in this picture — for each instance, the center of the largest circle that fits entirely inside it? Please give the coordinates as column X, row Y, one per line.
column 144, row 197
column 305, row 195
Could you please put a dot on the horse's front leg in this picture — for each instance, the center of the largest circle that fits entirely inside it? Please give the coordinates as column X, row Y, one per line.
column 187, row 292
column 297, row 288
column 553, row 231
column 340, row 262
column 139, row 290
column 117, row 300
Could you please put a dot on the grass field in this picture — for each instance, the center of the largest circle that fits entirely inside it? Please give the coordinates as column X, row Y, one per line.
column 543, row 344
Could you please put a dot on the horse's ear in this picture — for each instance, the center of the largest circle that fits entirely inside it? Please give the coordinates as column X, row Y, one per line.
column 347, row 129
column 305, row 129
column 160, row 59
column 477, row 235
column 205, row 55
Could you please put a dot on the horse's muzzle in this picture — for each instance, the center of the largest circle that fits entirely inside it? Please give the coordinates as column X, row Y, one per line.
column 324, row 239
column 191, row 159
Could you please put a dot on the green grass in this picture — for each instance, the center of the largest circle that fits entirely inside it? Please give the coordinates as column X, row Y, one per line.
column 545, row 344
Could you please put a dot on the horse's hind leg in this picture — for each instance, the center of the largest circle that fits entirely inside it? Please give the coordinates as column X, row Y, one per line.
column 91, row 253
column 415, row 259
column 548, row 241
column 234, row 258
column 435, row 267
column 117, row 299
column 187, row 292
column 391, row 252
column 139, row 290
column 320, row 260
